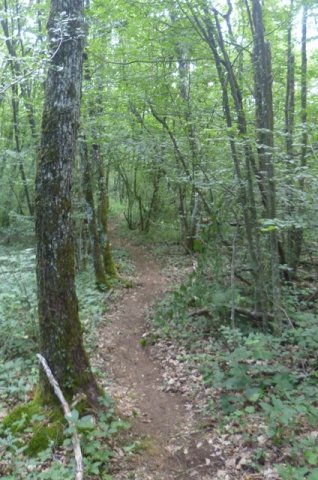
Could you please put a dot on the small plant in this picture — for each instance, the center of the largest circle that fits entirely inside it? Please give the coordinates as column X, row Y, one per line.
column 196, row 309
column 33, row 445
column 18, row 449
column 257, row 378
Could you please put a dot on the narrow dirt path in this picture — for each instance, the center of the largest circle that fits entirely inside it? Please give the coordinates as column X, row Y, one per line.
column 163, row 421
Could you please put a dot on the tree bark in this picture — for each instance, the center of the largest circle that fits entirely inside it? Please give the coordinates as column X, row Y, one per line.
column 100, row 276
column 109, row 265
column 212, row 34
column 16, row 72
column 304, row 69
column 292, row 233
column 296, row 234
column 265, row 138
column 61, row 341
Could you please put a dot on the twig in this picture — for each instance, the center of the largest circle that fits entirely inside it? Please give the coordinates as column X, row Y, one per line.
column 243, row 311
column 287, row 317
column 68, row 415
column 204, row 312
column 239, row 277
column 310, row 297
column 189, row 470
column 253, row 315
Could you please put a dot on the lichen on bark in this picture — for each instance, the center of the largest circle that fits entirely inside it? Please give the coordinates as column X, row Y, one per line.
column 61, row 341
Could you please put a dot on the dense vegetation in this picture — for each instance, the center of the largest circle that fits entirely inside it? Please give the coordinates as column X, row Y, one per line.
column 198, row 126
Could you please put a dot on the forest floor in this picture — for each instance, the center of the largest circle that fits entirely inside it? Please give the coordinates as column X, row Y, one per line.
column 202, row 403
column 153, row 390
column 164, row 422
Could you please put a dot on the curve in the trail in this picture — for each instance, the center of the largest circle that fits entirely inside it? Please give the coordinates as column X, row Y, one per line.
column 160, row 420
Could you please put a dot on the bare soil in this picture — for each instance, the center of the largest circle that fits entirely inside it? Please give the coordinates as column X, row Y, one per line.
column 163, row 422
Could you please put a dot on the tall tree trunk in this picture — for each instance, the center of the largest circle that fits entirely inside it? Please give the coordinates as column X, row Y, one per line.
column 61, row 341
column 15, row 113
column 296, row 243
column 100, row 276
column 304, row 143
column 292, row 233
column 95, row 110
column 194, row 145
column 103, row 177
column 212, row 34
column 265, row 138
column 17, row 73
column 15, row 65
column 290, row 93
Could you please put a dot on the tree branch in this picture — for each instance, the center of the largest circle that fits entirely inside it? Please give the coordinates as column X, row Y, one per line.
column 68, row 415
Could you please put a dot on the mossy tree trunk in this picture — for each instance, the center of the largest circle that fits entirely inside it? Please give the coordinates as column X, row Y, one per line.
column 103, row 177
column 61, row 341
column 95, row 111
column 100, row 276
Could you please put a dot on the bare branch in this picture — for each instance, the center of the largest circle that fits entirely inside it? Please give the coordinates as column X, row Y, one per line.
column 68, row 415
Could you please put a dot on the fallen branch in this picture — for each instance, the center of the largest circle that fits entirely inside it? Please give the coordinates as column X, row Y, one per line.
column 203, row 312
column 239, row 277
column 312, row 296
column 253, row 315
column 68, row 415
column 191, row 469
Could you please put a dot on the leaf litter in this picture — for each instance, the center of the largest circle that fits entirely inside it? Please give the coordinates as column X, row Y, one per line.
column 162, row 394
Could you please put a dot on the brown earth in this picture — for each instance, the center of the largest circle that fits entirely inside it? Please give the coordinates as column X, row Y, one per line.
column 162, row 395
column 163, row 422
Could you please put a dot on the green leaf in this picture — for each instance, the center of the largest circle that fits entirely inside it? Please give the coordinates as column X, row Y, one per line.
column 311, row 457
column 86, row 423
column 250, row 409
column 313, row 475
column 253, row 394
column 74, row 416
column 270, row 228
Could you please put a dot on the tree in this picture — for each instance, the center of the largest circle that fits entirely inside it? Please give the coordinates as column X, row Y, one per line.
column 185, row 127
column 17, row 59
column 61, row 341
column 100, row 276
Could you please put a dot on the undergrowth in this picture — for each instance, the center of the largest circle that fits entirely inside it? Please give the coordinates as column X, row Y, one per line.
column 50, row 446
column 53, row 459
column 264, row 387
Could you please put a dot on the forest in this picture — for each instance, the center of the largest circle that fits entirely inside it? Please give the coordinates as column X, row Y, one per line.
column 158, row 239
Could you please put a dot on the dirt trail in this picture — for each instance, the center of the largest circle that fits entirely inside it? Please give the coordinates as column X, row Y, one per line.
column 163, row 420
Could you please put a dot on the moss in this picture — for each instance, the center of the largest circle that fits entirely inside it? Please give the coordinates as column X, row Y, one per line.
column 35, row 426
column 43, row 436
column 126, row 283
column 147, row 340
column 109, row 264
column 102, row 283
column 145, row 444
column 20, row 417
